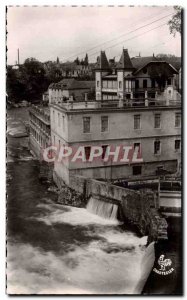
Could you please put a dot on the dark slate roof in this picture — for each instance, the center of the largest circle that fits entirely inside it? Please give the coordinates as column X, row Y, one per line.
column 139, row 62
column 174, row 61
column 73, row 84
column 125, row 61
column 102, row 62
column 157, row 65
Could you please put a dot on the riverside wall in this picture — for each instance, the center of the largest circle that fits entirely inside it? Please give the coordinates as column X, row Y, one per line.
column 135, row 207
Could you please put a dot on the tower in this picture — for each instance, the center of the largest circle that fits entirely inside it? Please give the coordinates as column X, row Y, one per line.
column 125, row 80
column 102, row 68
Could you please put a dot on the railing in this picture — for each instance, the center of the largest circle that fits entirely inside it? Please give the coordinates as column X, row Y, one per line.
column 40, row 113
column 117, row 103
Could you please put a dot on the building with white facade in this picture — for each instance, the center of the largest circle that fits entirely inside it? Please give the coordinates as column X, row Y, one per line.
column 123, row 114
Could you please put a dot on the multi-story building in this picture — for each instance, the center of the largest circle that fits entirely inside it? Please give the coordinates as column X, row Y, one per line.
column 40, row 130
column 150, row 125
column 135, row 78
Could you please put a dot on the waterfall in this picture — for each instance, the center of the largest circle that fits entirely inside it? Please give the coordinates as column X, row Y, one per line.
column 103, row 209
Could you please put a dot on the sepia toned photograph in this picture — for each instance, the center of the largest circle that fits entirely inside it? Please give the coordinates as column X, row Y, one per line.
column 94, row 150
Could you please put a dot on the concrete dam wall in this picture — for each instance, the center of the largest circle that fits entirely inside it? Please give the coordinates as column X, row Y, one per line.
column 135, row 207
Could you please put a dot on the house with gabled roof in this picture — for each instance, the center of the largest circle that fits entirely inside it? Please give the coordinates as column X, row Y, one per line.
column 137, row 77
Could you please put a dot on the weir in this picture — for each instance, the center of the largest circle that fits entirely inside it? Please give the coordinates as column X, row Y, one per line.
column 103, row 209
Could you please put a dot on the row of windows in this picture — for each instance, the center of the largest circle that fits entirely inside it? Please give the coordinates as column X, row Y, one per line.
column 60, row 119
column 137, row 122
column 157, row 121
column 137, row 147
column 110, row 84
column 113, row 84
column 87, row 127
column 157, row 146
column 144, row 83
column 41, row 140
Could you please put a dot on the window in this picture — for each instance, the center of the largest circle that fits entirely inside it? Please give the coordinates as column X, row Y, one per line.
column 137, row 84
column 87, row 152
column 58, row 119
column 137, row 170
column 97, row 83
column 86, row 124
column 104, row 147
column 153, row 83
column 157, row 120
column 110, row 85
column 136, row 121
column 145, row 83
column 104, row 123
column 144, row 70
column 178, row 120
column 169, row 81
column 120, row 84
column 63, row 123
column 157, row 147
column 177, row 145
column 137, row 147
column 104, row 83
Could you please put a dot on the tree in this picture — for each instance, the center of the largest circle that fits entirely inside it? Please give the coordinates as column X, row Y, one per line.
column 15, row 86
column 28, row 82
column 175, row 22
column 86, row 60
column 33, row 75
column 77, row 61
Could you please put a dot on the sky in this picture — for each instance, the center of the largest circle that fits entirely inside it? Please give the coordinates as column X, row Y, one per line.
column 67, row 32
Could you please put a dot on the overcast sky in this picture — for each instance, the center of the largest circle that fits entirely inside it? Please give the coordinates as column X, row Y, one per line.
column 67, row 32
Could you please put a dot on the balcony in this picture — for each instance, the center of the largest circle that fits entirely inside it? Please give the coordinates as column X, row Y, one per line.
column 41, row 113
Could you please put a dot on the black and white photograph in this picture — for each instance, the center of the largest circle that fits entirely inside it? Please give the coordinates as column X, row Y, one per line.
column 94, row 98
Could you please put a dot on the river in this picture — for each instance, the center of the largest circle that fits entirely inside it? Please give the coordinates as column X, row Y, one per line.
column 56, row 249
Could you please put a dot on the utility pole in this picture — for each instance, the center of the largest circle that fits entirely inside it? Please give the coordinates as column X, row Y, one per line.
column 18, row 56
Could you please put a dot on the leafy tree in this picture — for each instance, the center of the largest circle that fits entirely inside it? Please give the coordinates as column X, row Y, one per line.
column 33, row 75
column 15, row 86
column 28, row 82
column 175, row 22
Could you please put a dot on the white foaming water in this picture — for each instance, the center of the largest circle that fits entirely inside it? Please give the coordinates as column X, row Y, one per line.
column 103, row 209
column 107, row 264
column 74, row 216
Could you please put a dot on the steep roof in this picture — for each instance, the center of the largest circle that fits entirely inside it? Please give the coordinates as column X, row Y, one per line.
column 102, row 62
column 174, row 61
column 125, row 61
column 72, row 84
column 160, row 66
column 139, row 62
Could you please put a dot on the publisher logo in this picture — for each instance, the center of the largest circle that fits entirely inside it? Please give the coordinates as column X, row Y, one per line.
column 165, row 266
